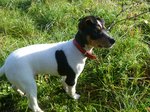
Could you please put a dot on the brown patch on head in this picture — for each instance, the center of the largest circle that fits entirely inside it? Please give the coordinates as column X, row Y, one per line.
column 93, row 43
column 102, row 42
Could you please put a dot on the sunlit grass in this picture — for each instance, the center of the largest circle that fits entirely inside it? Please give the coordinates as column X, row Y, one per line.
column 116, row 82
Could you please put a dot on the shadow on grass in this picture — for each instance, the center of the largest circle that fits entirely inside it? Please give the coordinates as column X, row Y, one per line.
column 24, row 5
column 7, row 103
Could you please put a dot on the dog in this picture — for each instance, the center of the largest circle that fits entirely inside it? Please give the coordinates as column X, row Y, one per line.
column 65, row 59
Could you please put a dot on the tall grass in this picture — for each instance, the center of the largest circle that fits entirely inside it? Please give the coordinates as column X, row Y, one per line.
column 117, row 82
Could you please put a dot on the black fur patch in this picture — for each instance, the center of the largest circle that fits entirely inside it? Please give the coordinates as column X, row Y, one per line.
column 64, row 68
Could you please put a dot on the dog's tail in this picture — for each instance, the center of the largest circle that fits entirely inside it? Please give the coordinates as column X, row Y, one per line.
column 2, row 71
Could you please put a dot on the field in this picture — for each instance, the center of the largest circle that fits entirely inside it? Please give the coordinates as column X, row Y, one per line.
column 119, row 81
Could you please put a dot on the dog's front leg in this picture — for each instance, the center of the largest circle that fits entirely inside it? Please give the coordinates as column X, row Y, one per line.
column 65, row 86
column 69, row 84
column 72, row 92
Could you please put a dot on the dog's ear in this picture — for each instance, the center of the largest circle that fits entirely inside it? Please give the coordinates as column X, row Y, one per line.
column 89, row 21
column 80, row 25
column 86, row 22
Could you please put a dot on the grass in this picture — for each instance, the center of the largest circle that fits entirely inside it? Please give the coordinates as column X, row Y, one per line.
column 117, row 82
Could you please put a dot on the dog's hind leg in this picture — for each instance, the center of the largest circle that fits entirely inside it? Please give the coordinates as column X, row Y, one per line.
column 31, row 93
column 26, row 83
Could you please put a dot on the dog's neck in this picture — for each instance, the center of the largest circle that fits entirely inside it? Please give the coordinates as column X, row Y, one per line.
column 82, row 44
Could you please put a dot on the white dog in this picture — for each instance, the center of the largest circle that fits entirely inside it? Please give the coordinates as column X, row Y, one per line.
column 66, row 59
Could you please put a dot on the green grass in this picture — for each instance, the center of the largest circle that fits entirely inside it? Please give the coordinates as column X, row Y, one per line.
column 118, row 82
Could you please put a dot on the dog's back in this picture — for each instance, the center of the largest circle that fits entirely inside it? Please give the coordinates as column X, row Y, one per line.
column 35, row 57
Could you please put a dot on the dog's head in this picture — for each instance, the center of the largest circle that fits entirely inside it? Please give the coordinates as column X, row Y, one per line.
column 92, row 32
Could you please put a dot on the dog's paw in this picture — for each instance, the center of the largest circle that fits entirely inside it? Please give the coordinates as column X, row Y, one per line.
column 39, row 111
column 35, row 109
column 76, row 96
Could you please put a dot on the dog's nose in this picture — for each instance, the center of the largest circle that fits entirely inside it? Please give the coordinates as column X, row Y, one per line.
column 112, row 41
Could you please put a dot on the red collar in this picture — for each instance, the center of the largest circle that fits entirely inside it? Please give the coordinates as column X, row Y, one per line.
column 83, row 51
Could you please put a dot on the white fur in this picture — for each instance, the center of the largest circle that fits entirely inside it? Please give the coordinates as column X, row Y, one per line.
column 22, row 64
column 99, row 23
